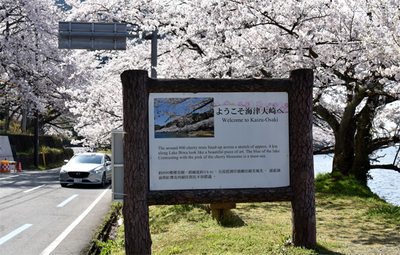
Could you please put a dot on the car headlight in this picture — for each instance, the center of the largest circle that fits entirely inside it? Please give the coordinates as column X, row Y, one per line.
column 63, row 171
column 97, row 170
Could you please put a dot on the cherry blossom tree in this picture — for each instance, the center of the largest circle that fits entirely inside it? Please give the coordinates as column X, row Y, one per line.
column 31, row 65
column 95, row 103
column 183, row 115
column 352, row 46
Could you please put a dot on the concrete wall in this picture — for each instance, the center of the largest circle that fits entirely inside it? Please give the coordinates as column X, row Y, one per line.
column 5, row 149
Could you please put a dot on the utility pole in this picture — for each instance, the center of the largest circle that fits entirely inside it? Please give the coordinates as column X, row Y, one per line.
column 154, row 54
column 23, row 124
column 36, row 143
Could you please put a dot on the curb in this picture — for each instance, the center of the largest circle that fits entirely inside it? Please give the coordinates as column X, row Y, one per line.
column 103, row 231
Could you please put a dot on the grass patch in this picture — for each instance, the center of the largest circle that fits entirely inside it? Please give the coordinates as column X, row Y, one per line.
column 339, row 186
column 106, row 151
column 350, row 220
column 45, row 149
column 99, row 240
column 386, row 210
column 48, row 166
column 251, row 229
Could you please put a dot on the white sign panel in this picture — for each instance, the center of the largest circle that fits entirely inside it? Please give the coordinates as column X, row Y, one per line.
column 218, row 140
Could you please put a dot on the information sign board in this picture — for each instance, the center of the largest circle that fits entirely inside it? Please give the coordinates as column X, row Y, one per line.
column 218, row 140
column 95, row 36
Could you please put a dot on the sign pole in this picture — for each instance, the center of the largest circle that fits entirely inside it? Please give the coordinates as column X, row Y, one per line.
column 301, row 158
column 154, row 55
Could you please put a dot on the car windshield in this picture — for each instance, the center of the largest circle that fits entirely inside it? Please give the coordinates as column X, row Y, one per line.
column 86, row 159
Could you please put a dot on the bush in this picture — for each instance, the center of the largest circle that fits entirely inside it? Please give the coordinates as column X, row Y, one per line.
column 53, row 157
column 23, row 148
column 24, row 143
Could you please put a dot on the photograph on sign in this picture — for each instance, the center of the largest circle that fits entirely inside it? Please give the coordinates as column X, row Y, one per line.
column 188, row 117
column 242, row 140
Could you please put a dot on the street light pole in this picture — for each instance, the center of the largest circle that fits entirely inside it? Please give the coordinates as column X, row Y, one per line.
column 36, row 142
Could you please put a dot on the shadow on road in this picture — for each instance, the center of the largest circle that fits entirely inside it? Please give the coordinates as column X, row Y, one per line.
column 86, row 186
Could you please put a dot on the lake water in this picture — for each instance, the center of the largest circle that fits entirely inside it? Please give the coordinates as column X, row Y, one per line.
column 384, row 183
column 169, row 135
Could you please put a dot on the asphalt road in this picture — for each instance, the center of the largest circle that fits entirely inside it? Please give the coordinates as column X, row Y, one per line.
column 38, row 216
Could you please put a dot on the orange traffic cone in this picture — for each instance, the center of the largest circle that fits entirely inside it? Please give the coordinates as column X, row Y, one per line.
column 19, row 168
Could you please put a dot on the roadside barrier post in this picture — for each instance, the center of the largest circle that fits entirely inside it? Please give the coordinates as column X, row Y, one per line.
column 5, row 166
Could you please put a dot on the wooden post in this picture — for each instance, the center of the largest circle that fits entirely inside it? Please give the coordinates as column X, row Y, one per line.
column 136, row 162
column 301, row 158
column 220, row 211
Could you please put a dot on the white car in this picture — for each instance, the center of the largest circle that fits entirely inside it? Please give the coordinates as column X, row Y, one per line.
column 86, row 168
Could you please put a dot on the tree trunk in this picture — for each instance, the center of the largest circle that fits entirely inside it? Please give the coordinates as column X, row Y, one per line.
column 344, row 149
column 361, row 163
column 136, row 146
column 7, row 118
column 343, row 158
column 363, row 141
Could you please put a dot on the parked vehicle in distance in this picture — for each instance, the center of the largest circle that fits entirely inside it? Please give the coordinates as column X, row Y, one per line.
column 86, row 168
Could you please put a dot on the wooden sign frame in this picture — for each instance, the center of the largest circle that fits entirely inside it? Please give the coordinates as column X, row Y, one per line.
column 136, row 88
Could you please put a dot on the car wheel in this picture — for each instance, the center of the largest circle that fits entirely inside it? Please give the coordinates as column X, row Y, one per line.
column 103, row 181
column 63, row 184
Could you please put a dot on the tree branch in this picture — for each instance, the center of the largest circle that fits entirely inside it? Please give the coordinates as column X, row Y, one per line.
column 388, row 167
column 195, row 47
column 325, row 150
column 350, row 109
column 327, row 116
column 381, row 142
column 200, row 106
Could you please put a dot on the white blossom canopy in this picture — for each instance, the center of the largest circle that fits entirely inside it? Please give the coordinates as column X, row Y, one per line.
column 30, row 58
column 349, row 44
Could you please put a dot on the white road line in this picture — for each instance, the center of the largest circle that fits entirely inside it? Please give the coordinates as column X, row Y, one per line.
column 67, row 200
column 29, row 190
column 14, row 233
column 68, row 230
column 9, row 177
